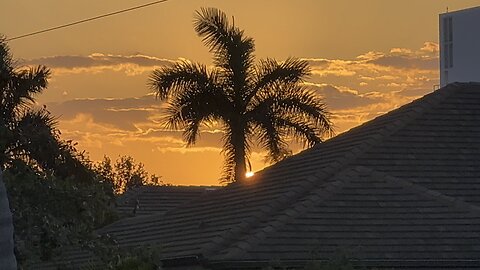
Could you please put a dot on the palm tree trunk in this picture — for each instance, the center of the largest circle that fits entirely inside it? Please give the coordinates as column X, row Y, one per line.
column 240, row 166
column 7, row 257
column 238, row 142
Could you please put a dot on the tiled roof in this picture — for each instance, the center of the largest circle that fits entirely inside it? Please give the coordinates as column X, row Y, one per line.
column 147, row 200
column 398, row 191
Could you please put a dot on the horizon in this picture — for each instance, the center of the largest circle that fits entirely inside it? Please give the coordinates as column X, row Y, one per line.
column 98, row 85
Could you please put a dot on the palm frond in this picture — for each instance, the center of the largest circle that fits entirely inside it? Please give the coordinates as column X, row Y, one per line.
column 296, row 104
column 6, row 60
column 39, row 144
column 236, row 150
column 27, row 83
column 169, row 81
column 194, row 107
column 38, row 138
column 297, row 128
column 299, row 100
column 270, row 136
column 270, row 74
column 18, row 89
column 228, row 171
column 233, row 51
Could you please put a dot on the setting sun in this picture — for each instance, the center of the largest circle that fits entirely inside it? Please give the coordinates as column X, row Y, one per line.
column 249, row 174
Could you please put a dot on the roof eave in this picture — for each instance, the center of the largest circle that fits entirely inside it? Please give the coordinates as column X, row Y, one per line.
column 425, row 264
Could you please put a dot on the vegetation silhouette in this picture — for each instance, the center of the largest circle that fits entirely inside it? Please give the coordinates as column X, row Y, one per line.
column 57, row 196
column 265, row 103
column 30, row 134
column 125, row 173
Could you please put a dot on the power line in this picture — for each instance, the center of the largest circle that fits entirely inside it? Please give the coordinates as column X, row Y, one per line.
column 87, row 20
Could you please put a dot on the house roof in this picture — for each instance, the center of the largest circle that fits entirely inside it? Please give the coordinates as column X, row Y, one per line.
column 147, row 200
column 402, row 190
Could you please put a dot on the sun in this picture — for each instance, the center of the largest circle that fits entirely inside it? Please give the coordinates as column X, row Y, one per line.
column 249, row 174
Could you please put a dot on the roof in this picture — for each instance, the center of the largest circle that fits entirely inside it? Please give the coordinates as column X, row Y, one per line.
column 401, row 190
column 147, row 200
column 460, row 11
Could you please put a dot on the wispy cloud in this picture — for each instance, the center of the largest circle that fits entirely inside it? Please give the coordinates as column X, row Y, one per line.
column 355, row 90
column 98, row 62
column 339, row 98
column 397, row 64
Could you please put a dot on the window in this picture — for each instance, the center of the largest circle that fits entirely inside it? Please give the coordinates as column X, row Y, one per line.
column 450, row 54
column 448, row 42
column 450, row 28
column 446, row 57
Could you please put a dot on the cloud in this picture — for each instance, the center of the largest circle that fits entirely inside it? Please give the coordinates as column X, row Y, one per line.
column 355, row 90
column 376, row 64
column 127, row 119
column 430, row 47
column 118, row 113
column 406, row 62
column 339, row 98
column 98, row 62
column 373, row 83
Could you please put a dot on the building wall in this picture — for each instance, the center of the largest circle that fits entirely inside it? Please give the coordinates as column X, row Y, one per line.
column 460, row 46
column 7, row 258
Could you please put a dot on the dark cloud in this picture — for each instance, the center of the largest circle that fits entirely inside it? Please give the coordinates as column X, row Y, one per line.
column 120, row 113
column 414, row 92
column 318, row 62
column 407, row 62
column 337, row 99
column 97, row 60
column 136, row 118
column 205, row 139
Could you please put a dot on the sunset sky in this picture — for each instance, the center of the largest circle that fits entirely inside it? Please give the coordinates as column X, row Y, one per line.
column 367, row 57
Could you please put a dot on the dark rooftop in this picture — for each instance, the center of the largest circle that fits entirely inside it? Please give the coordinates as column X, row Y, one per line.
column 400, row 190
column 147, row 200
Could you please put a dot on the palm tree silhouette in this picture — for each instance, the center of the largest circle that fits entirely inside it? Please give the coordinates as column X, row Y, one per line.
column 266, row 103
column 30, row 135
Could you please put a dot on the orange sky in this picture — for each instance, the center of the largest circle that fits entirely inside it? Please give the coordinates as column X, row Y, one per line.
column 368, row 57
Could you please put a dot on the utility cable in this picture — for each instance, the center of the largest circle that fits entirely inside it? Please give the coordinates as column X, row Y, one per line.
column 87, row 20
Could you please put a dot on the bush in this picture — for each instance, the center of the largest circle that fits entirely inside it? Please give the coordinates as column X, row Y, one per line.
column 125, row 173
column 51, row 213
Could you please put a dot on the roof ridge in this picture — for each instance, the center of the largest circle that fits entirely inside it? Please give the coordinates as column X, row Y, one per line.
column 229, row 239
column 324, row 192
column 239, row 247
column 454, row 201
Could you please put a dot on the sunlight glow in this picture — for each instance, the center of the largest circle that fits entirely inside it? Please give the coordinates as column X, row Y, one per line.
column 249, row 174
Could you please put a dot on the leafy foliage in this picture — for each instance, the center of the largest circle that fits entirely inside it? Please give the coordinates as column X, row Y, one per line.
column 115, row 257
column 125, row 173
column 265, row 103
column 58, row 197
column 30, row 134
column 51, row 213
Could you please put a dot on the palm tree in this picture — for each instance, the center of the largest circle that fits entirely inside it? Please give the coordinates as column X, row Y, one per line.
column 30, row 134
column 267, row 103
column 30, row 152
column 17, row 90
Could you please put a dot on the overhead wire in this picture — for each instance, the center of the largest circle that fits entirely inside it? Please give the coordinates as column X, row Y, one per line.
column 87, row 20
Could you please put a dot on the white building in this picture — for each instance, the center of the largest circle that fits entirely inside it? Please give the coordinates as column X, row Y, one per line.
column 460, row 46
